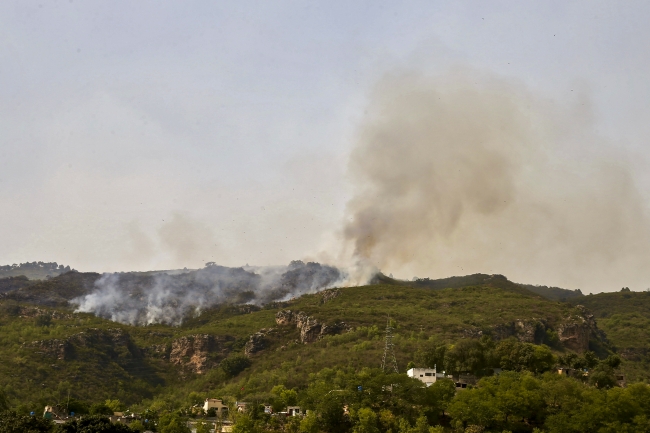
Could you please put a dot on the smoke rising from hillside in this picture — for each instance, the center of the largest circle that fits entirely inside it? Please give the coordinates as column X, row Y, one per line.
column 138, row 299
column 468, row 173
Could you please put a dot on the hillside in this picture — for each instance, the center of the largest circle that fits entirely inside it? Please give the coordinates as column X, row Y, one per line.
column 554, row 293
column 45, row 351
column 625, row 317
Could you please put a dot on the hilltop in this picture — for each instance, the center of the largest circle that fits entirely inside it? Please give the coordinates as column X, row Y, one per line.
column 33, row 270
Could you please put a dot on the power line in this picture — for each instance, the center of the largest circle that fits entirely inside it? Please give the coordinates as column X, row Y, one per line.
column 389, row 360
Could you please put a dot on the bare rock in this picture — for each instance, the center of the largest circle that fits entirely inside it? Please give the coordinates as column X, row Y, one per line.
column 310, row 328
column 574, row 336
column 530, row 331
column 285, row 317
column 328, row 295
column 197, row 353
column 255, row 343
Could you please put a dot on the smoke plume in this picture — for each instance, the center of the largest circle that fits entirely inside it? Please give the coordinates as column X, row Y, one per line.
column 140, row 299
column 469, row 173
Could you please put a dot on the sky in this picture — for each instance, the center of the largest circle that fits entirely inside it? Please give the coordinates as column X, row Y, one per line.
column 157, row 135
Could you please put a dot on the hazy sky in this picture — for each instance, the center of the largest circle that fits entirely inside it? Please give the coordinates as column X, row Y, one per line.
column 152, row 134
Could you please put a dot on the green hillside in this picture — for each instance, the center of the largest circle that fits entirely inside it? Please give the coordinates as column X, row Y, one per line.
column 45, row 352
column 625, row 317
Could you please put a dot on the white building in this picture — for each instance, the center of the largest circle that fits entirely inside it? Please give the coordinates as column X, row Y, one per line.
column 426, row 375
column 294, row 411
column 214, row 403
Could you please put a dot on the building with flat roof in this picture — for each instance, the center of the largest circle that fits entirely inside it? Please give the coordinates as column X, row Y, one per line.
column 428, row 376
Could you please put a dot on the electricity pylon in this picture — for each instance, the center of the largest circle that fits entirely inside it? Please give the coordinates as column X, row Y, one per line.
column 389, row 362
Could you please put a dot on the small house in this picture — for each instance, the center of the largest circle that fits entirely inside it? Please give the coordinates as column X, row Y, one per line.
column 294, row 411
column 220, row 409
column 428, row 376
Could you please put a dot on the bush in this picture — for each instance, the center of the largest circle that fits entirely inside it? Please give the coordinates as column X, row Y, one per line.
column 93, row 424
column 11, row 422
column 235, row 364
column 100, row 409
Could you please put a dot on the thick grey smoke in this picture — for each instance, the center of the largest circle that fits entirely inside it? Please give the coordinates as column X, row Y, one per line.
column 469, row 173
column 139, row 299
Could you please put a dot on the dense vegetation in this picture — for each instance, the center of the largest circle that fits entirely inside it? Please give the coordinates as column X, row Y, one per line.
column 474, row 325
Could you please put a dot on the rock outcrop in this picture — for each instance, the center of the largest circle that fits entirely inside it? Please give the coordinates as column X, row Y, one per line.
column 328, row 295
column 115, row 343
column 198, row 353
column 530, row 331
column 255, row 343
column 310, row 328
column 578, row 329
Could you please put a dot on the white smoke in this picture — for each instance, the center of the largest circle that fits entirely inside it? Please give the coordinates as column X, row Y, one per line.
column 141, row 299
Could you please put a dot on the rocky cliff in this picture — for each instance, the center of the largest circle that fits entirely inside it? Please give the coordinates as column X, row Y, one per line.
column 198, row 353
column 310, row 328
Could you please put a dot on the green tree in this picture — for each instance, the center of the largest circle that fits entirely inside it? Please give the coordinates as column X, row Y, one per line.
column 93, row 424
column 114, row 405
column 366, row 421
column 284, row 397
column 100, row 409
column 235, row 364
column 138, row 426
column 172, row 422
column 11, row 422
column 4, row 402
column 245, row 424
column 203, row 427
column 309, row 424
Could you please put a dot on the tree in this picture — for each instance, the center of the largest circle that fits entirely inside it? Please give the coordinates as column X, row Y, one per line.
column 366, row 421
column 309, row 424
column 114, row 405
column 235, row 364
column 4, row 402
column 11, row 422
column 172, row 422
column 284, row 397
column 100, row 409
column 244, row 424
column 93, row 424
column 138, row 426
column 203, row 427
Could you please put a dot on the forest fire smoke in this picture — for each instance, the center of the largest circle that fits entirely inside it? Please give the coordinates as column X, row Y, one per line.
column 468, row 173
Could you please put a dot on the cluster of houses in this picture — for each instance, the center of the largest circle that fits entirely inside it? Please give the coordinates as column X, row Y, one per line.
column 217, row 411
column 573, row 372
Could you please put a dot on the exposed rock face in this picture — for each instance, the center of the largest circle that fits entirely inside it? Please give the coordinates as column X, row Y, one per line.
column 578, row 329
column 531, row 331
column 328, row 295
column 197, row 353
column 284, row 318
column 574, row 336
column 310, row 329
column 255, row 343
